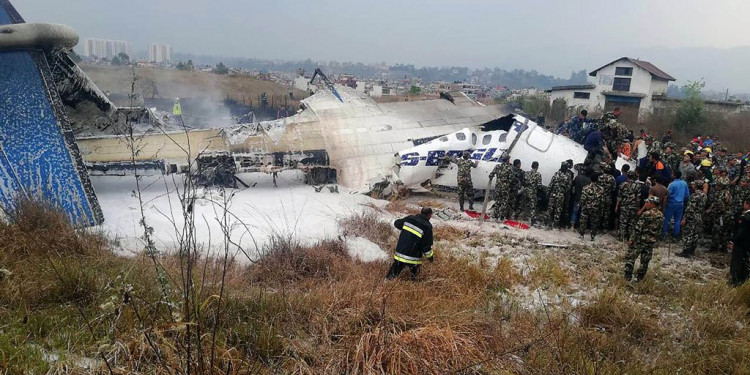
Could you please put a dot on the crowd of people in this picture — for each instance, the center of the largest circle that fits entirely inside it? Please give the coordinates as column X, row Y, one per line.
column 691, row 194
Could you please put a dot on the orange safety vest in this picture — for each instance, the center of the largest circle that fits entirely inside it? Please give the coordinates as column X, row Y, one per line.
column 626, row 149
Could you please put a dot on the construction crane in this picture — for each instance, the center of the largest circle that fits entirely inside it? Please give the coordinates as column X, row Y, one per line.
column 328, row 83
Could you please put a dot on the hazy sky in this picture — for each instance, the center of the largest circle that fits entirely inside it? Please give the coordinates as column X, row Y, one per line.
column 553, row 36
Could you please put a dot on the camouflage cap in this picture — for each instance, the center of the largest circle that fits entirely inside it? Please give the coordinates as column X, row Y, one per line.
column 649, row 138
column 670, row 145
column 505, row 156
column 604, row 166
column 653, row 199
column 722, row 181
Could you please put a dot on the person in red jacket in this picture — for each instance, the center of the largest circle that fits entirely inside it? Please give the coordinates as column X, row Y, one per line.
column 414, row 243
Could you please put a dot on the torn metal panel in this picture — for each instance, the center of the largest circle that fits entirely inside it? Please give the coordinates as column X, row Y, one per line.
column 38, row 154
column 359, row 135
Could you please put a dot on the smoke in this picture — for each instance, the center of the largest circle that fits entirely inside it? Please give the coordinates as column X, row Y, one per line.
column 201, row 95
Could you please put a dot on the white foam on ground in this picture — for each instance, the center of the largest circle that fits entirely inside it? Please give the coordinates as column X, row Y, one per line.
column 255, row 214
column 365, row 250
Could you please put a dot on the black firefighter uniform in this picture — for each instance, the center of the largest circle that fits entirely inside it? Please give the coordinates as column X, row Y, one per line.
column 414, row 244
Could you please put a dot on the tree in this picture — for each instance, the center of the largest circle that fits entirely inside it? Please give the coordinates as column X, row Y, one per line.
column 559, row 110
column 534, row 105
column 691, row 114
column 185, row 66
column 124, row 58
column 415, row 90
column 220, row 68
column 115, row 61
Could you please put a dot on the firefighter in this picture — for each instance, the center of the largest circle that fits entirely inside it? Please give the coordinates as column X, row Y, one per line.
column 177, row 110
column 414, row 243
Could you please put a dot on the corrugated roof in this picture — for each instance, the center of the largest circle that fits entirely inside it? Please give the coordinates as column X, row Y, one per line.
column 649, row 67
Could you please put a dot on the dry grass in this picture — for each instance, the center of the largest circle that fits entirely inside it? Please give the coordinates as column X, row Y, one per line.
column 37, row 247
column 401, row 207
column 547, row 271
column 446, row 232
column 612, row 311
column 732, row 130
column 435, row 205
column 184, row 84
column 368, row 224
column 315, row 310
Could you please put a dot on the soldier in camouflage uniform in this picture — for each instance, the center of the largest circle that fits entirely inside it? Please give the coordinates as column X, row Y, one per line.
column 722, row 215
column 721, row 158
column 614, row 132
column 504, row 172
column 627, row 204
column 532, row 184
column 517, row 190
column 653, row 146
column 568, row 205
column 647, row 228
column 740, row 193
column 692, row 221
column 734, row 169
column 559, row 187
column 670, row 158
column 465, row 186
column 592, row 205
column 608, row 184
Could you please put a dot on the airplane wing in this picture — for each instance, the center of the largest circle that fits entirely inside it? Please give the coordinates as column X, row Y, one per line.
column 39, row 158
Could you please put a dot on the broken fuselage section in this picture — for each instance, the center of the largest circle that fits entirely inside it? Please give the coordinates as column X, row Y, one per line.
column 523, row 139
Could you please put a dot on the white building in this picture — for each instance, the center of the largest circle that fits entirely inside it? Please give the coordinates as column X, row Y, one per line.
column 630, row 84
column 159, row 53
column 104, row 48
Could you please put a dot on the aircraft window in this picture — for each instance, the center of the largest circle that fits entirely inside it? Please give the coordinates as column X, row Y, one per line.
column 461, row 136
column 486, row 139
column 502, row 137
column 443, row 139
column 473, row 139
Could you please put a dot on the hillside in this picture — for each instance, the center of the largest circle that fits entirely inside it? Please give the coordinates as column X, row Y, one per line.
column 165, row 83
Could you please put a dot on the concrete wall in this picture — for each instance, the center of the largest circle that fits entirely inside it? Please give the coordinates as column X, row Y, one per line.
column 659, row 86
column 568, row 95
column 670, row 104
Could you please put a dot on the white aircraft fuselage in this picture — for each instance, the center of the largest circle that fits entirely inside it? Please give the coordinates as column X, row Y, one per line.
column 525, row 141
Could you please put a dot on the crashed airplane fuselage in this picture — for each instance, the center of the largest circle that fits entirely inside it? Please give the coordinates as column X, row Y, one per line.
column 359, row 139
column 522, row 138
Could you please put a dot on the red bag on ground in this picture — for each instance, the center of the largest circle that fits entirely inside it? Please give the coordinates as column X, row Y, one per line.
column 474, row 214
column 515, row 224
